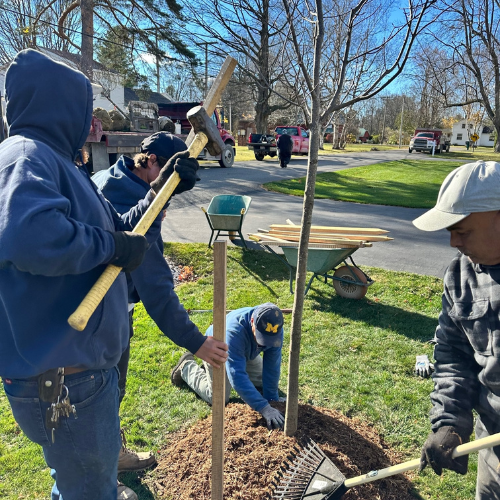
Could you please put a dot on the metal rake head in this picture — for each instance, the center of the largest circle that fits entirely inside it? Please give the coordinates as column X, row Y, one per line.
column 307, row 473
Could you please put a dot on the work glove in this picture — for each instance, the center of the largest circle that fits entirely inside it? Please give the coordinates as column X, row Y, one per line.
column 438, row 449
column 274, row 418
column 423, row 367
column 129, row 250
column 185, row 166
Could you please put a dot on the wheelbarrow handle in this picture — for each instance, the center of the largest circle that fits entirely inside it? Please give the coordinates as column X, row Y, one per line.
column 459, row 451
column 79, row 319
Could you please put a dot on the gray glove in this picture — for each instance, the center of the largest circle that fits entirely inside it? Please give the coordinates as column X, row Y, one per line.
column 438, row 449
column 423, row 367
column 274, row 418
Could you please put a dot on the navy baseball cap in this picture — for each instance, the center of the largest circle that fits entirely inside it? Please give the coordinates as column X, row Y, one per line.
column 163, row 144
column 268, row 321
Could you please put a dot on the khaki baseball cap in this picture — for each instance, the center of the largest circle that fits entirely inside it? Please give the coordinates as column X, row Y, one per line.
column 474, row 187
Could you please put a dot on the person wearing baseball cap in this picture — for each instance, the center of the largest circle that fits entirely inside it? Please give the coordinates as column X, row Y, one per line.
column 467, row 351
column 250, row 331
column 123, row 185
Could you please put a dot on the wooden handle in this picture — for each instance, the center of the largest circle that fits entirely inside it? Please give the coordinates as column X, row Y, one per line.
column 79, row 319
column 219, row 374
column 463, row 449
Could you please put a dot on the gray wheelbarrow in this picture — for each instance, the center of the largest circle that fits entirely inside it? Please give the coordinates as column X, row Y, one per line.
column 226, row 213
column 348, row 280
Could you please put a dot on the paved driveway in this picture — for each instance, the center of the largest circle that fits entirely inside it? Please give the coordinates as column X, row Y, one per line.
column 412, row 250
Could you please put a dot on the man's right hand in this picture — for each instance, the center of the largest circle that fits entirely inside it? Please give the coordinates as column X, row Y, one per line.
column 438, row 449
column 129, row 250
column 274, row 418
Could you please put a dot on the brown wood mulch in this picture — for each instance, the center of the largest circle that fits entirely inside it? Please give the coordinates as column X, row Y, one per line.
column 253, row 455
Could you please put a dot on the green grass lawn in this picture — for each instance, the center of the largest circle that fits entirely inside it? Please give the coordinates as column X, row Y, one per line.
column 405, row 183
column 460, row 152
column 356, row 357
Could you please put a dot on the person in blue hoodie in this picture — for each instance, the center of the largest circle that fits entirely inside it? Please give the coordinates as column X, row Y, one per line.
column 250, row 331
column 57, row 235
column 126, row 182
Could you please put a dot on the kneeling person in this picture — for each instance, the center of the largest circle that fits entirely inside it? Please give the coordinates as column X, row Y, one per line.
column 249, row 331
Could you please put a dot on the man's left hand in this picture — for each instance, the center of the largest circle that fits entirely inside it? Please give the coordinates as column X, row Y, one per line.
column 213, row 351
column 185, row 166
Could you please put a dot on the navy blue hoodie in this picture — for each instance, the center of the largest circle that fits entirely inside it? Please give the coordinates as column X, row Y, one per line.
column 152, row 281
column 54, row 239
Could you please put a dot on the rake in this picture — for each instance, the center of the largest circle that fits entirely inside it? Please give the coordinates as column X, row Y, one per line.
column 309, row 474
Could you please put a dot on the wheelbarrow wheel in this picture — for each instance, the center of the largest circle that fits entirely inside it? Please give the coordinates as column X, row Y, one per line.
column 350, row 290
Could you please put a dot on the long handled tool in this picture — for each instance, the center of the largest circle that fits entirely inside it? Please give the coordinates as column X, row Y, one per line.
column 205, row 134
column 310, row 474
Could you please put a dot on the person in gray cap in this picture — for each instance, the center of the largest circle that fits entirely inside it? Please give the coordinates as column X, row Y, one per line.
column 152, row 282
column 467, row 351
column 249, row 332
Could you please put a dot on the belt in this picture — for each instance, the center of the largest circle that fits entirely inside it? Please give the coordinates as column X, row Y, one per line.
column 70, row 370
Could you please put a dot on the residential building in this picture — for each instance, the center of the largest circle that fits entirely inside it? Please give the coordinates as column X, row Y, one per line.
column 463, row 129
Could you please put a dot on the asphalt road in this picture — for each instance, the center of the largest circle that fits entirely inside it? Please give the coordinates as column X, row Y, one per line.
column 412, row 250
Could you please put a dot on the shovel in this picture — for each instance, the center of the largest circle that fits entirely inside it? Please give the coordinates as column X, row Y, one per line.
column 310, row 474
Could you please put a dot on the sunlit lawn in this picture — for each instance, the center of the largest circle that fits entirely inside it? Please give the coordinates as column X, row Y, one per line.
column 406, row 183
column 356, row 357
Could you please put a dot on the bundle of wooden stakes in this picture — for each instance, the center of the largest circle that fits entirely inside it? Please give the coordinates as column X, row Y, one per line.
column 321, row 236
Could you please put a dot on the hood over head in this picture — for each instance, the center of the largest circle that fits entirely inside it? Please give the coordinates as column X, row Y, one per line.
column 48, row 101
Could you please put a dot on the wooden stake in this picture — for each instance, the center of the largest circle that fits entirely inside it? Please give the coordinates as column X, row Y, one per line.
column 219, row 374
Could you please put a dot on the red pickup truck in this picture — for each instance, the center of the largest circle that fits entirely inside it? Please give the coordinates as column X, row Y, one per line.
column 300, row 137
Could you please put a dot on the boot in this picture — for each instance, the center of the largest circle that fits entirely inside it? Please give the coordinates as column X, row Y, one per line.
column 125, row 493
column 129, row 460
column 176, row 374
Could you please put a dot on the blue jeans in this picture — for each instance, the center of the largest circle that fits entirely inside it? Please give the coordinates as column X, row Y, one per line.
column 84, row 456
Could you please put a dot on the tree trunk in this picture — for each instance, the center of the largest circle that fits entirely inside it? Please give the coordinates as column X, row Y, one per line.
column 87, row 10
column 496, row 124
column 292, row 403
column 262, row 111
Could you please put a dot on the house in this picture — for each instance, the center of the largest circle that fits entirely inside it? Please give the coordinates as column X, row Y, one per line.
column 145, row 95
column 363, row 135
column 463, row 129
column 110, row 81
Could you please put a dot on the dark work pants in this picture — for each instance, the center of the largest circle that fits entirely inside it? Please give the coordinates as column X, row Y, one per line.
column 284, row 158
column 123, row 363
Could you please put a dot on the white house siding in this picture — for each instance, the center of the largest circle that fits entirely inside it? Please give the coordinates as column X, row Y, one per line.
column 460, row 135
column 116, row 94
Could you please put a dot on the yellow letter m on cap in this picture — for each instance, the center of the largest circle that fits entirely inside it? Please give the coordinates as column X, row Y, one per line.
column 270, row 328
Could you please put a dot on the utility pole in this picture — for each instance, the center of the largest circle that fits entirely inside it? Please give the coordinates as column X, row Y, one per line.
column 206, row 44
column 384, row 100
column 401, row 124
column 87, row 13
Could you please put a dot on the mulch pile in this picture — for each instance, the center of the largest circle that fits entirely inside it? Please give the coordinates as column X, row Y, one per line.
column 253, row 456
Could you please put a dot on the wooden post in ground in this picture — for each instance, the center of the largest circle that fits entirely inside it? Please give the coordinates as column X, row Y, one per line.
column 219, row 374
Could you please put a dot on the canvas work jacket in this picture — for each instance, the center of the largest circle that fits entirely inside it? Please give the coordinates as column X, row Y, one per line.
column 467, row 353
